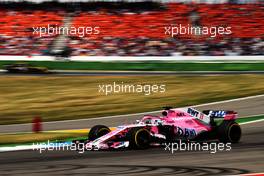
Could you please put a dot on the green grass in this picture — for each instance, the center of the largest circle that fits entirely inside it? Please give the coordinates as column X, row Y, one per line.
column 148, row 66
column 248, row 119
column 78, row 97
column 29, row 138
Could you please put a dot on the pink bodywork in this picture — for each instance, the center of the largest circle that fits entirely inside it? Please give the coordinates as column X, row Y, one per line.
column 187, row 123
column 179, row 118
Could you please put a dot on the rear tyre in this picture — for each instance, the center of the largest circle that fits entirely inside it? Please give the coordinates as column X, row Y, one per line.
column 97, row 131
column 139, row 138
column 229, row 131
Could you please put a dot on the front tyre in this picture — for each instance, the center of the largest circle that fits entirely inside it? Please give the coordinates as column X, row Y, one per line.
column 139, row 138
column 229, row 131
column 97, row 131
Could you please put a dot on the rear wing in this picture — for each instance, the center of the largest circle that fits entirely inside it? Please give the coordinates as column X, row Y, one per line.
column 208, row 116
column 222, row 114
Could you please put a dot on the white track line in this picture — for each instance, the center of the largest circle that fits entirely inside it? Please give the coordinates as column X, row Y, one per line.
column 16, row 148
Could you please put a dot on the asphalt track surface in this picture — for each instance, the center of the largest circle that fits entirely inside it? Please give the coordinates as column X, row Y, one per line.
column 244, row 157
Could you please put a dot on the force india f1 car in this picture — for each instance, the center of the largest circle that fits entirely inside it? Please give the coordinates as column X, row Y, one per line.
column 186, row 124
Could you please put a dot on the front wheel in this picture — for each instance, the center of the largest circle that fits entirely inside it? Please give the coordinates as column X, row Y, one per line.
column 98, row 131
column 229, row 131
column 139, row 138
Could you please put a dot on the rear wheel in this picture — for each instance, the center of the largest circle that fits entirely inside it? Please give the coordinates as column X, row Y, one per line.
column 98, row 131
column 229, row 131
column 139, row 138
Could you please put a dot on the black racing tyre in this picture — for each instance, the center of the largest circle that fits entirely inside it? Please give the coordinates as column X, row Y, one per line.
column 229, row 131
column 139, row 138
column 97, row 131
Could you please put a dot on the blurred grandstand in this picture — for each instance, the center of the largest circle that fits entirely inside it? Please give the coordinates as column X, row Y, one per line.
column 131, row 28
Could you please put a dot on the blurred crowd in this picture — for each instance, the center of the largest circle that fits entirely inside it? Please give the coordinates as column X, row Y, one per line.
column 30, row 45
column 149, row 43
column 144, row 46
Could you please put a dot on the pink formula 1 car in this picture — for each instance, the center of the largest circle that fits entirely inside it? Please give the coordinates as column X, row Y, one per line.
column 185, row 124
